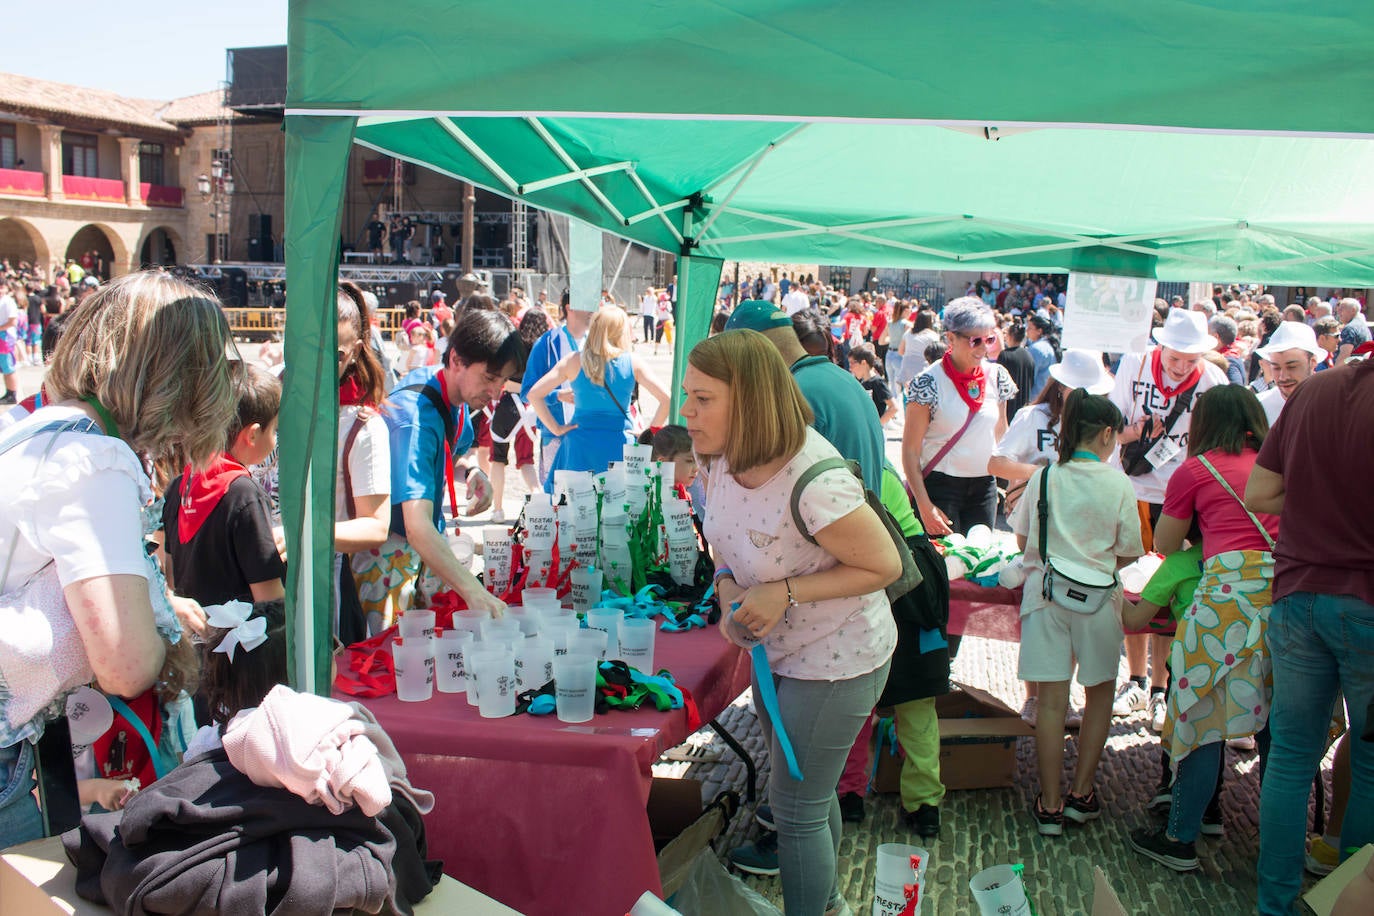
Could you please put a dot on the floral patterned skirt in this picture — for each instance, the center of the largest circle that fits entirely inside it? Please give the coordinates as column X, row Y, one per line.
column 386, row 578
column 1222, row 674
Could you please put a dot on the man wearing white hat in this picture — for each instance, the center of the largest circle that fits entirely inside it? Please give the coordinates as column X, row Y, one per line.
column 1292, row 354
column 1156, row 390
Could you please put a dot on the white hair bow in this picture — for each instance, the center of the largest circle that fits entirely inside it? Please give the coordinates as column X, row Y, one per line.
column 234, row 617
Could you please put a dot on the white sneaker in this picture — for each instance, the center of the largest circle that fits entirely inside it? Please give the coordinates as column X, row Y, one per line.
column 1130, row 699
column 1159, row 709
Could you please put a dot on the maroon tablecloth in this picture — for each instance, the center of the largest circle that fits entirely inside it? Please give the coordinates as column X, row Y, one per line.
column 993, row 613
column 545, row 817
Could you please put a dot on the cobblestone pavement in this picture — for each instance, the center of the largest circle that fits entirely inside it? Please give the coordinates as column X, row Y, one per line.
column 988, row 827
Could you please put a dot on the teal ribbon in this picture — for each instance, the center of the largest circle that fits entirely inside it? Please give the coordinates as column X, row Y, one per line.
column 159, row 765
column 769, row 694
column 690, row 622
column 644, row 603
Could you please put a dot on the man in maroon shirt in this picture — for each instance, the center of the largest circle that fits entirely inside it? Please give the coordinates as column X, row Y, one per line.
column 1311, row 472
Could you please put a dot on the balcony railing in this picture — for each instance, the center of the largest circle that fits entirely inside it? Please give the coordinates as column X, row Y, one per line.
column 160, row 195
column 104, row 190
column 18, row 181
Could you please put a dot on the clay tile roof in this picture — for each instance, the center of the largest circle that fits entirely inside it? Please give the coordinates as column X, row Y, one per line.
column 202, row 108
column 58, row 101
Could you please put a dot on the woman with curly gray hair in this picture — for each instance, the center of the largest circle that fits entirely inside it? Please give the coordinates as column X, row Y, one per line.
column 956, row 410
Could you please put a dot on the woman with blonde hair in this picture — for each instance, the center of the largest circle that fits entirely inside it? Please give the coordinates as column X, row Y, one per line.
column 813, row 598
column 603, row 376
column 139, row 375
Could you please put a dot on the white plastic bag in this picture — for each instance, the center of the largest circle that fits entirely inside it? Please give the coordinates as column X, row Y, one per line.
column 712, row 891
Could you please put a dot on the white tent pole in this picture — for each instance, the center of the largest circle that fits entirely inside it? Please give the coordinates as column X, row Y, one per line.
column 850, row 227
column 717, row 210
column 533, row 186
column 661, row 211
column 305, row 601
column 744, row 163
column 479, row 154
column 1305, row 236
column 1355, row 253
column 571, row 163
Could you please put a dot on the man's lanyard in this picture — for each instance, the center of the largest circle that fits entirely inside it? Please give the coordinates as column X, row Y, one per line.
column 448, row 444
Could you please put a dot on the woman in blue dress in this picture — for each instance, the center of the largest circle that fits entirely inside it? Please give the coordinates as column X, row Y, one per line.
column 602, row 377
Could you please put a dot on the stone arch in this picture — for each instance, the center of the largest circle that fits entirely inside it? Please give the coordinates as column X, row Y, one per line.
column 161, row 246
column 106, row 243
column 20, row 241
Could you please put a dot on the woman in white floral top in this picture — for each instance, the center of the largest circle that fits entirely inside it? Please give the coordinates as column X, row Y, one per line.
column 818, row 608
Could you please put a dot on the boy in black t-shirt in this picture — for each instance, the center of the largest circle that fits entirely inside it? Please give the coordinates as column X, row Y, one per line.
column 217, row 522
column 864, row 365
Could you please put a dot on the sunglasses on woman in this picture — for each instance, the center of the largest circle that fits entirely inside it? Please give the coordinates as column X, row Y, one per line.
column 977, row 341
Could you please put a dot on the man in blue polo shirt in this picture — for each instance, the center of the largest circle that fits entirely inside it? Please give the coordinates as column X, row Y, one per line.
column 843, row 410
column 428, row 416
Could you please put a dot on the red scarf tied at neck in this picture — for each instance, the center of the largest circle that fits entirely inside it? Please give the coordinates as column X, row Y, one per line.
column 972, row 386
column 351, row 392
column 1157, row 371
column 201, row 493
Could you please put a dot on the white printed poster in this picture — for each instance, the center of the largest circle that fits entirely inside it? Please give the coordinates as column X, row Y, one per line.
column 1109, row 314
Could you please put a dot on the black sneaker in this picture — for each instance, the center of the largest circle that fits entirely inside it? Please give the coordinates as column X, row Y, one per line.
column 763, row 814
column 1049, row 823
column 1155, row 844
column 9, row 398
column 1163, row 799
column 925, row 820
column 1212, row 823
column 757, row 858
column 852, row 808
column 1082, row 808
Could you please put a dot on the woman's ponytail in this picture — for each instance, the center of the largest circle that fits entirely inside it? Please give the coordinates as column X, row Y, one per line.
column 1085, row 416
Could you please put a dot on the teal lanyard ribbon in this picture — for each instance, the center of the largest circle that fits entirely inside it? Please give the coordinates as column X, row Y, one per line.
column 1084, row 453
column 159, row 765
column 769, row 695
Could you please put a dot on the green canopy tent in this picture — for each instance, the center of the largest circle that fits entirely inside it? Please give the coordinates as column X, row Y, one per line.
column 1177, row 140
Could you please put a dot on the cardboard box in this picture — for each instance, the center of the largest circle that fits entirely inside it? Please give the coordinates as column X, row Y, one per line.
column 37, row 880
column 1321, row 898
column 682, row 827
column 978, row 735
column 1105, row 900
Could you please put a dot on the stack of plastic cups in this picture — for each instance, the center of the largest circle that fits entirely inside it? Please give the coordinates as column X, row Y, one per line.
column 682, row 541
column 537, row 597
column 559, row 630
column 613, row 494
column 530, row 619
column 565, row 519
column 470, row 621
column 589, row 642
column 449, row 673
column 615, row 546
column 500, row 628
column 901, row 871
column 417, row 627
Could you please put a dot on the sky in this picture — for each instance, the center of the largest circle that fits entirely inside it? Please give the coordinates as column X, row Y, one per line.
column 149, row 49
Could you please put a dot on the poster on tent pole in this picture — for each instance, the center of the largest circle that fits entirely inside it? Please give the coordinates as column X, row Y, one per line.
column 1109, row 314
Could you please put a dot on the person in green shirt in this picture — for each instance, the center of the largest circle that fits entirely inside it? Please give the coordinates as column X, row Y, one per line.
column 1171, row 586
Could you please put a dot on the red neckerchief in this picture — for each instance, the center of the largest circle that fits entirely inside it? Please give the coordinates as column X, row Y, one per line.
column 200, row 493
column 1231, row 350
column 1157, row 370
column 351, row 393
column 121, row 753
column 972, row 386
column 448, row 445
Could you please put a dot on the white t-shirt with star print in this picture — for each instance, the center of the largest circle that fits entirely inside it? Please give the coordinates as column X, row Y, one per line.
column 752, row 533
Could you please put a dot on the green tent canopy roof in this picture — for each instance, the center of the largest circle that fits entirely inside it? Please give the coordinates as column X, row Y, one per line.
column 1181, row 139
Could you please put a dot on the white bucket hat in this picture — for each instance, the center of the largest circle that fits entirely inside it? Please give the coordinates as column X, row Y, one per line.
column 1082, row 369
column 1185, row 331
column 1292, row 335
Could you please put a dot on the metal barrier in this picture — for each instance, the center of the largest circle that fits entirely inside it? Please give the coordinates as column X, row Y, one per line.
column 261, row 324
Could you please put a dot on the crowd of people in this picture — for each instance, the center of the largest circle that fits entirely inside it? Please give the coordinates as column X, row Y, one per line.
column 1227, row 446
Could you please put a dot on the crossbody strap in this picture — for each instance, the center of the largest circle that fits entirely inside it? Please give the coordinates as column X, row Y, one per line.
column 1043, row 507
column 357, row 427
column 808, row 475
column 1226, row 486
column 953, row 441
column 159, row 766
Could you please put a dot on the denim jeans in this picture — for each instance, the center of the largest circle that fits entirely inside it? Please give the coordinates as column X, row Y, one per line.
column 19, row 817
column 822, row 720
column 1319, row 644
column 1198, row 785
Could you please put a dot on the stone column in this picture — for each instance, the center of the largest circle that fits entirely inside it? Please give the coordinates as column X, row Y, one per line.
column 50, row 149
column 129, row 168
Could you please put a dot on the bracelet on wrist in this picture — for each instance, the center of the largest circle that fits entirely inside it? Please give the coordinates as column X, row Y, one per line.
column 791, row 599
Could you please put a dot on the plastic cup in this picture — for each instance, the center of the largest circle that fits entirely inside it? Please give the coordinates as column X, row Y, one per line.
column 636, row 636
column 998, row 891
column 496, row 541
column 496, row 574
column 462, row 545
column 677, row 516
column 608, row 619
column 542, row 598
column 615, row 563
column 540, row 563
column 614, row 529
column 682, row 561
column 636, row 459
column 588, row 642
column 899, row 865
column 469, row 672
column 417, row 625
column 470, row 621
column 540, row 526
column 586, row 587
column 574, row 678
column 495, row 627
column 534, row 664
column 667, row 472
column 559, row 630
column 449, row 675
column 586, row 546
column 495, row 683
column 414, row 665
column 530, row 619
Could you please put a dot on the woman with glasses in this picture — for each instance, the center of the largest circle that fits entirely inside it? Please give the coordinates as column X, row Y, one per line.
column 956, row 411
